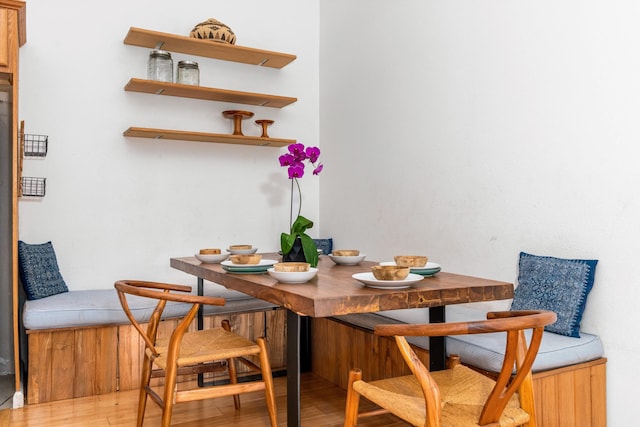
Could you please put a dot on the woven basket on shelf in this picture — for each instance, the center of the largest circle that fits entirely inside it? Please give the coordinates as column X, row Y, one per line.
column 212, row 29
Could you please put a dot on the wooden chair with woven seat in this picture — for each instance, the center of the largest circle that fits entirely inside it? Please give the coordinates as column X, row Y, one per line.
column 458, row 396
column 188, row 352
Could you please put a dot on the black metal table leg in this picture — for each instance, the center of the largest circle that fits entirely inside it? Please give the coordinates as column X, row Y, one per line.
column 200, row 323
column 293, row 369
column 437, row 345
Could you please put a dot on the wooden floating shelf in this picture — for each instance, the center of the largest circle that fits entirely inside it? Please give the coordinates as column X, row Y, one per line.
column 206, row 137
column 206, row 48
column 207, row 93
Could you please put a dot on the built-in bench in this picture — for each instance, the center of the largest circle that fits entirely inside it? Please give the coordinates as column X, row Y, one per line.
column 569, row 373
column 80, row 343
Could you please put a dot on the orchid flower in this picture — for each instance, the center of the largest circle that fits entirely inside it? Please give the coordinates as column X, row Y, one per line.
column 294, row 162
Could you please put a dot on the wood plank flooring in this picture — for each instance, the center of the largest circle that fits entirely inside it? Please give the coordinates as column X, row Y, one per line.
column 322, row 405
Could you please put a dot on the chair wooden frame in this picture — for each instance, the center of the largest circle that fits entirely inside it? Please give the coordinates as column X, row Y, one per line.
column 518, row 355
column 216, row 349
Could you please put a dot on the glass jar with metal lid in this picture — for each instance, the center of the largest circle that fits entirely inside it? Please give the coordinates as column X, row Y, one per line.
column 188, row 73
column 160, row 66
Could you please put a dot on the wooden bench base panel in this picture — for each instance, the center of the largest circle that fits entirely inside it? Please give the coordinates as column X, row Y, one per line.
column 69, row 363
column 78, row 362
column 572, row 396
column 568, row 396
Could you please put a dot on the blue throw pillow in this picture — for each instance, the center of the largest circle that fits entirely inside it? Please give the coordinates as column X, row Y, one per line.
column 325, row 245
column 556, row 284
column 39, row 270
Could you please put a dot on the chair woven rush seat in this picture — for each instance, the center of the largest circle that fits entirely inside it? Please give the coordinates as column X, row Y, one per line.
column 462, row 391
column 188, row 351
column 203, row 346
column 458, row 396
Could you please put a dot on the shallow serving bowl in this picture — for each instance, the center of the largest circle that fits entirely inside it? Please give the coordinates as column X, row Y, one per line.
column 390, row 272
column 346, row 252
column 292, row 266
column 240, row 246
column 293, row 276
column 242, row 250
column 210, row 251
column 212, row 258
column 347, row 260
column 246, row 259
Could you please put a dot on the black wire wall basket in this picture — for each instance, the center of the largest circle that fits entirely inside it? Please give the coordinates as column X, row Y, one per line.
column 33, row 187
column 35, row 145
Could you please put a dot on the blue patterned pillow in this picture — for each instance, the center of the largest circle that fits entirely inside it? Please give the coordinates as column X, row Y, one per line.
column 325, row 245
column 556, row 284
column 39, row 270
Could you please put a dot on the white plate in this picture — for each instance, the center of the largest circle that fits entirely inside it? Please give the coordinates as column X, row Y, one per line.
column 212, row 258
column 347, row 260
column 242, row 251
column 368, row 279
column 293, row 276
column 262, row 263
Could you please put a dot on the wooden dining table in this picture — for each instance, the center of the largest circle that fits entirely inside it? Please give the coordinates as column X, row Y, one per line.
column 333, row 292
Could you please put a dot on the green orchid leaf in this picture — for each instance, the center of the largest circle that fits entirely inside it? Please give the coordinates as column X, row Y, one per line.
column 298, row 228
column 300, row 225
column 286, row 242
column 310, row 250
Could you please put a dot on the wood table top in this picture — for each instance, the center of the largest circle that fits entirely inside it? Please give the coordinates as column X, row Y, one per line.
column 334, row 292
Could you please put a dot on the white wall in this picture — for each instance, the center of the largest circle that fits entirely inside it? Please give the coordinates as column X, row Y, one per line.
column 120, row 207
column 470, row 131
column 465, row 130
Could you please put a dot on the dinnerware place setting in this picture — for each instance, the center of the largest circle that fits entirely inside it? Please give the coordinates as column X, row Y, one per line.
column 238, row 259
column 347, row 256
column 243, row 259
column 427, row 269
column 216, row 256
column 247, row 264
column 211, row 256
column 292, row 272
column 401, row 273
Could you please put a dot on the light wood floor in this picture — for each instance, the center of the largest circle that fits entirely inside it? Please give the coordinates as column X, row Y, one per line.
column 322, row 405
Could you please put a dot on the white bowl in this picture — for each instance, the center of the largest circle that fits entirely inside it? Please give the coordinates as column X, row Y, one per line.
column 293, row 276
column 242, row 251
column 212, row 258
column 347, row 260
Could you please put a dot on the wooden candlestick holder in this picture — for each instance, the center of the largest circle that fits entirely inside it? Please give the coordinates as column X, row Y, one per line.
column 238, row 116
column 265, row 124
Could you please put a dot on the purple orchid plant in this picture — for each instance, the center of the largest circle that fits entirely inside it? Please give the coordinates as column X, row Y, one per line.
column 295, row 160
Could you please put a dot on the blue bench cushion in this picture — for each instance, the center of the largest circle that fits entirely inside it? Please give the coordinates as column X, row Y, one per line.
column 102, row 307
column 486, row 351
